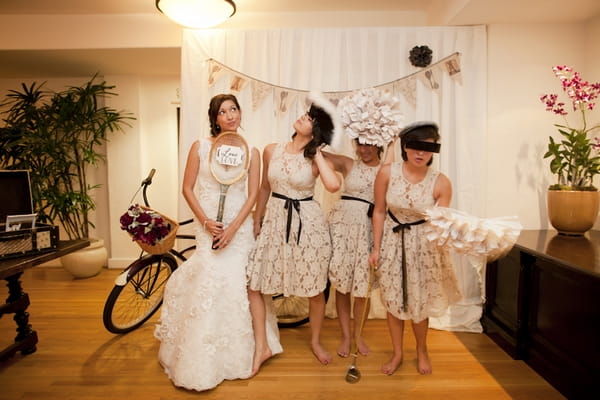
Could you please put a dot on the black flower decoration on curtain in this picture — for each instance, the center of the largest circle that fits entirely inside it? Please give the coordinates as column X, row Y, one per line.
column 420, row 56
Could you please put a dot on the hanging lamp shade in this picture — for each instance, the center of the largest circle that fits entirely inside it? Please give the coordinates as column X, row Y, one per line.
column 197, row 13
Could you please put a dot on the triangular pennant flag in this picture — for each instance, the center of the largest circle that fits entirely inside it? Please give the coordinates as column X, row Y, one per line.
column 237, row 83
column 428, row 78
column 407, row 87
column 303, row 98
column 388, row 87
column 259, row 92
column 430, row 75
column 452, row 66
column 284, row 98
column 214, row 72
column 333, row 97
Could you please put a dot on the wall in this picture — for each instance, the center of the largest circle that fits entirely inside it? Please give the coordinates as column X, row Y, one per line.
column 520, row 61
column 96, row 176
column 150, row 143
column 592, row 51
column 37, row 32
column 520, row 58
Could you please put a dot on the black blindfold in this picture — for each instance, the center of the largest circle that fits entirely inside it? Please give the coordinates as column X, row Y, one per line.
column 424, row 146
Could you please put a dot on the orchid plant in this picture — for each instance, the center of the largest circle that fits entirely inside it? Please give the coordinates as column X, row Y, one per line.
column 575, row 160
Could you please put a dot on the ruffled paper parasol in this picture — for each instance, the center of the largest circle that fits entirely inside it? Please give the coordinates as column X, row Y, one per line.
column 490, row 237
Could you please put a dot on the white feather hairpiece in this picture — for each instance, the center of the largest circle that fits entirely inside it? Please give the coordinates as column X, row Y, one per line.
column 323, row 102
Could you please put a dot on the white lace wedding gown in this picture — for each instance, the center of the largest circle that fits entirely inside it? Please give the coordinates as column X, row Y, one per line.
column 205, row 327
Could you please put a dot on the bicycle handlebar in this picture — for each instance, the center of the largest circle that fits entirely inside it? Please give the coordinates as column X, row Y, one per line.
column 148, row 180
column 145, row 183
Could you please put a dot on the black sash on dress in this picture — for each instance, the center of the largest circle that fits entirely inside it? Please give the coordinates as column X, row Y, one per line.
column 402, row 227
column 371, row 205
column 289, row 205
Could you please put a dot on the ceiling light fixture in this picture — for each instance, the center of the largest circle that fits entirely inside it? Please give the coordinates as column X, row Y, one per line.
column 197, row 13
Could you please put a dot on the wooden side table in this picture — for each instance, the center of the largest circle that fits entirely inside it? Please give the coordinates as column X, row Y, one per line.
column 18, row 301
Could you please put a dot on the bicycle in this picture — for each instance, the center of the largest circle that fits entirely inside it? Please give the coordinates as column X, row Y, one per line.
column 138, row 290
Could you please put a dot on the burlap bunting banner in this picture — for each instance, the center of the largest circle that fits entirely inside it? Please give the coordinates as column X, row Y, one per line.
column 284, row 98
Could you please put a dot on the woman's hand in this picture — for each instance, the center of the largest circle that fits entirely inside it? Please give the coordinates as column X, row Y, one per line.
column 257, row 226
column 223, row 239
column 374, row 259
column 214, row 228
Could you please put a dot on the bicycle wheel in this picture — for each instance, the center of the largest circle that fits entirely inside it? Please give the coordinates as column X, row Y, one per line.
column 138, row 293
column 292, row 311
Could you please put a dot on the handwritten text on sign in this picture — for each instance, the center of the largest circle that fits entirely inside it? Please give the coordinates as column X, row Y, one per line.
column 230, row 155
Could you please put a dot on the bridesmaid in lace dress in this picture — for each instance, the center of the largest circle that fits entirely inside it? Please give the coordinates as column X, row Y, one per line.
column 293, row 247
column 372, row 119
column 351, row 236
column 416, row 277
column 205, row 327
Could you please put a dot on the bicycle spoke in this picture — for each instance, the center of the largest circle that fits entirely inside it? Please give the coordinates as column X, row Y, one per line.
column 132, row 304
column 148, row 283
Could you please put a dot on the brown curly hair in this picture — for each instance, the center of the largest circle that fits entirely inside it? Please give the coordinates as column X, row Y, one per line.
column 213, row 110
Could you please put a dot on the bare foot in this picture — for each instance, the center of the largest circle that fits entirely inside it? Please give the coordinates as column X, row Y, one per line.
column 392, row 365
column 344, row 348
column 363, row 349
column 423, row 363
column 260, row 356
column 322, row 355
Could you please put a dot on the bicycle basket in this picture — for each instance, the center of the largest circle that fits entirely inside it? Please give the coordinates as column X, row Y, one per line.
column 163, row 245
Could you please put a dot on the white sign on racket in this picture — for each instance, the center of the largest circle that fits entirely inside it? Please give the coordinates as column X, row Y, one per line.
column 230, row 155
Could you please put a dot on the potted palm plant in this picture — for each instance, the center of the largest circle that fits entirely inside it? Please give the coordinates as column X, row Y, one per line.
column 574, row 160
column 58, row 136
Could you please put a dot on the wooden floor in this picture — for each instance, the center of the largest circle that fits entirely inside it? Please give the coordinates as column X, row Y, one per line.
column 78, row 359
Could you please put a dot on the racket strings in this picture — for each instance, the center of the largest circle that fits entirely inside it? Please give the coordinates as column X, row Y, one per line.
column 229, row 158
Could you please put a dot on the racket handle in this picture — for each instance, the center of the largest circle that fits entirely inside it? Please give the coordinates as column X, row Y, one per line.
column 219, row 219
column 222, row 196
column 221, row 207
column 220, row 213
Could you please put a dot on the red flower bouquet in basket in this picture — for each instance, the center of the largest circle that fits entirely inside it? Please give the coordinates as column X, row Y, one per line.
column 152, row 231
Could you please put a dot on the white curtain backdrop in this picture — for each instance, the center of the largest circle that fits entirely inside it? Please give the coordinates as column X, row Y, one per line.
column 280, row 66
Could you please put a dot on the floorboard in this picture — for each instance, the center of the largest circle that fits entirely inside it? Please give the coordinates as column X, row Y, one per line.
column 78, row 359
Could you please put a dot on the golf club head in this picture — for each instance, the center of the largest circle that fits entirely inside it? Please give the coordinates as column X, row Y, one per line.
column 353, row 374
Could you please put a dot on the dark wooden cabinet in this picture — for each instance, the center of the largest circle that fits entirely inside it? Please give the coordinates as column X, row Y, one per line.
column 543, row 307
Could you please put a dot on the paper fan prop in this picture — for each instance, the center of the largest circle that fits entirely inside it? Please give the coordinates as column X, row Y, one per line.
column 371, row 116
column 489, row 237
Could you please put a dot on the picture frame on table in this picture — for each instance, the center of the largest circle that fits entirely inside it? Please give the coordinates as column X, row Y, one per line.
column 18, row 222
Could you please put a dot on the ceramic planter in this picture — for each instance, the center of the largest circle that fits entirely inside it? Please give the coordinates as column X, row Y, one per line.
column 86, row 262
column 572, row 212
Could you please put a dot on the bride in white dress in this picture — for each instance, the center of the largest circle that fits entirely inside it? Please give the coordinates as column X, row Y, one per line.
column 205, row 327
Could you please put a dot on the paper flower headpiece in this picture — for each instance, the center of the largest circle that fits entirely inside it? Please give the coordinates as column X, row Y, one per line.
column 371, row 116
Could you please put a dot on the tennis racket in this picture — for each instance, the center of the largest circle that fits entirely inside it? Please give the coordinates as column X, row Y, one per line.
column 228, row 162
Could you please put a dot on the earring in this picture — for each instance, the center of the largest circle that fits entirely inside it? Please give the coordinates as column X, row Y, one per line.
column 217, row 128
